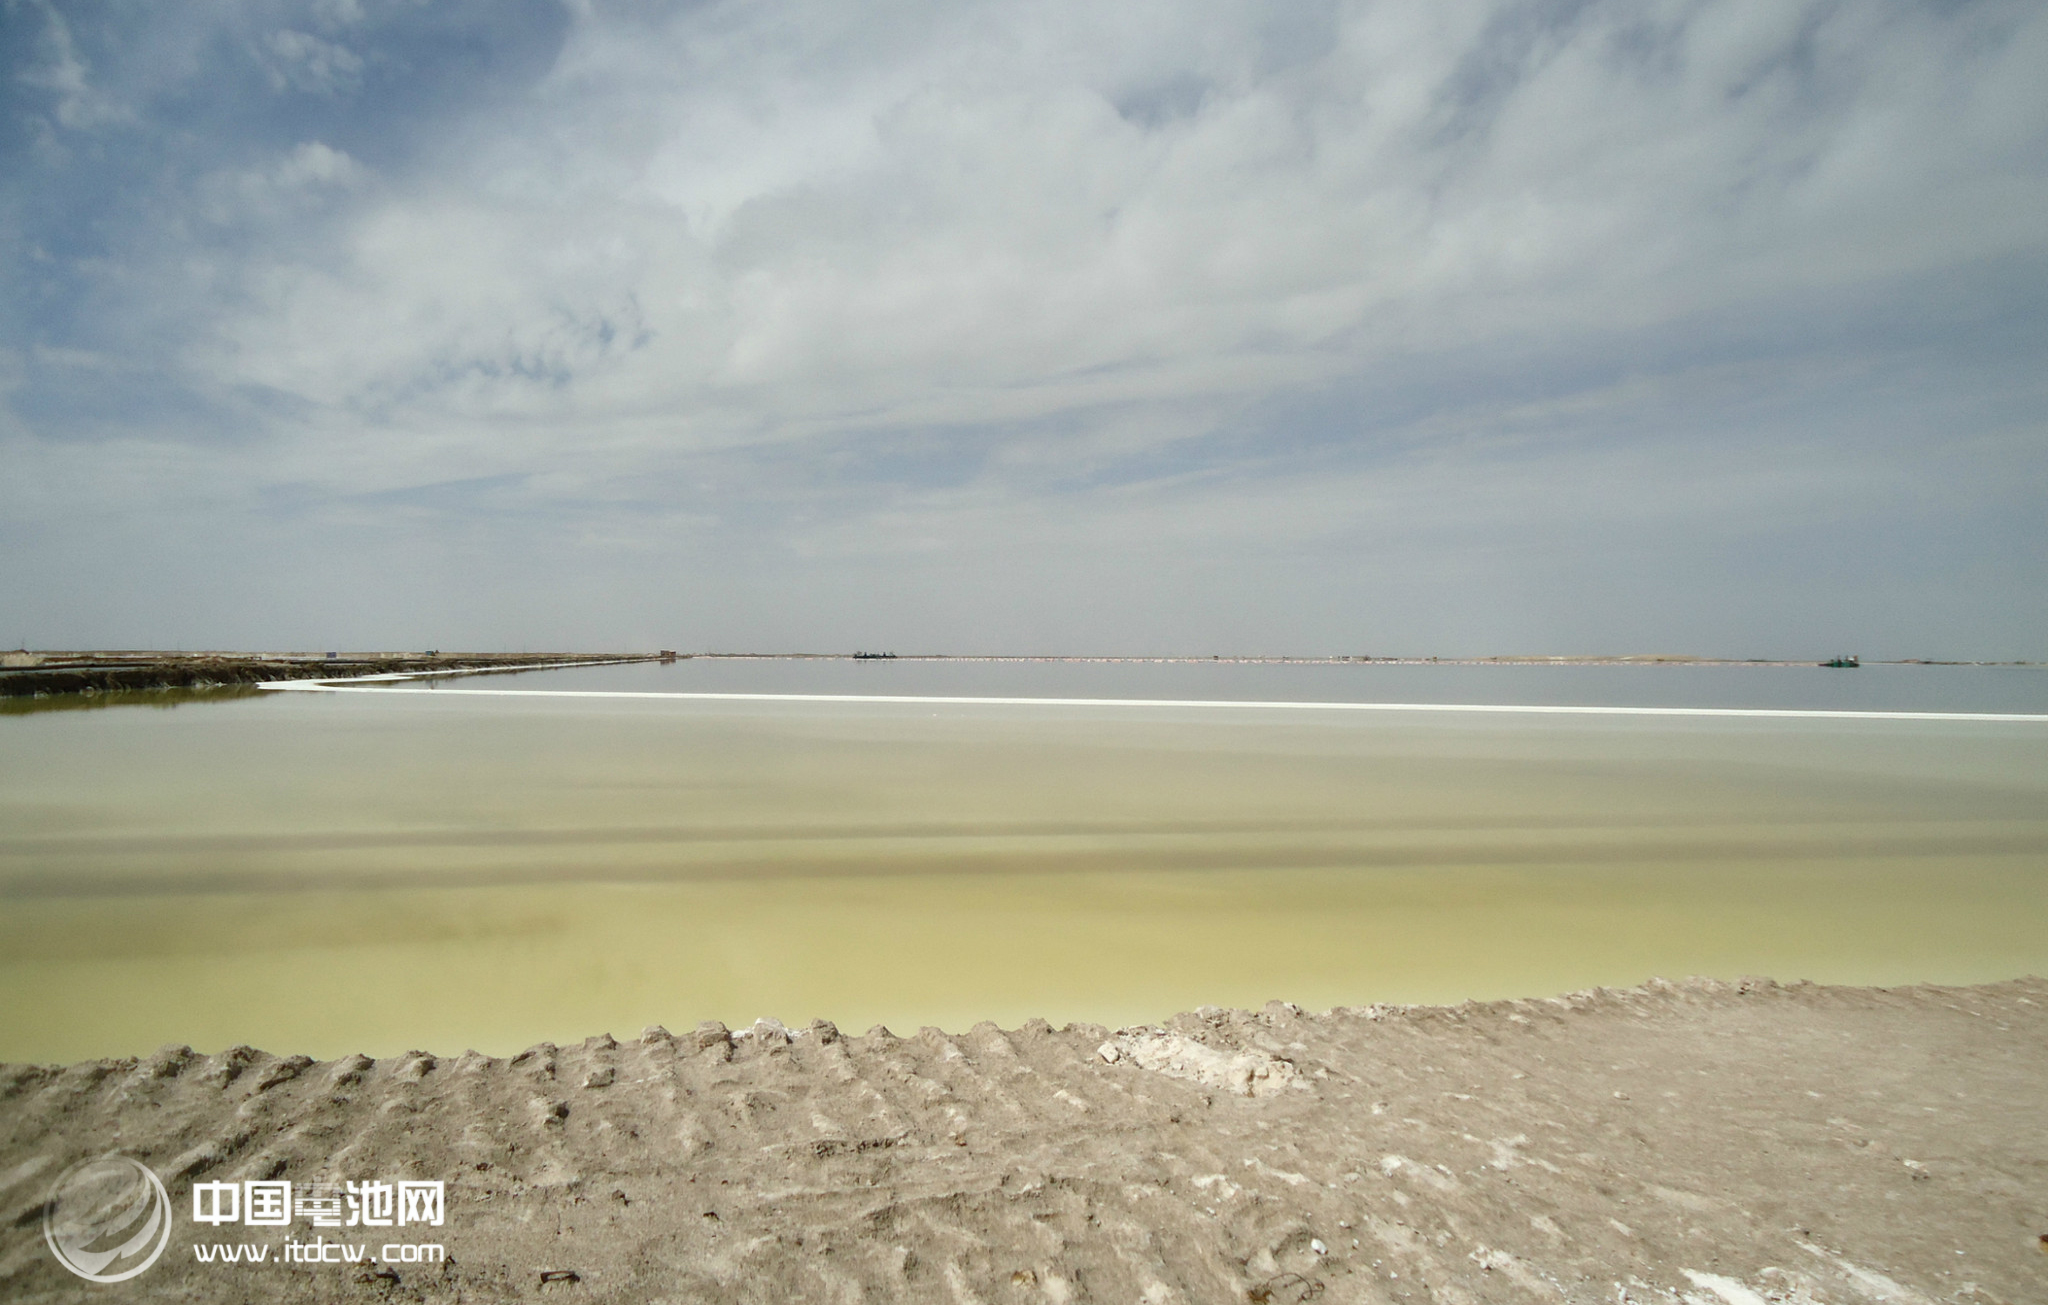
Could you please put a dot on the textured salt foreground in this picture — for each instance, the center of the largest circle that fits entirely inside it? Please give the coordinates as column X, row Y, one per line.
column 1708, row 1143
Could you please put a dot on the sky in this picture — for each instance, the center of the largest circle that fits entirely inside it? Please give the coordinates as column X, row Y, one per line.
column 1279, row 327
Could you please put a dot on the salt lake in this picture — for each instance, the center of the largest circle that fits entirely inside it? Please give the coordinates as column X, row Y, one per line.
column 437, row 869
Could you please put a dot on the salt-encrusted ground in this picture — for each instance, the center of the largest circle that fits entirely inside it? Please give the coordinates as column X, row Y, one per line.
column 1710, row 1143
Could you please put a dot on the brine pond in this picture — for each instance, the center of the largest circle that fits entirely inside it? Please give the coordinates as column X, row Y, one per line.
column 439, row 869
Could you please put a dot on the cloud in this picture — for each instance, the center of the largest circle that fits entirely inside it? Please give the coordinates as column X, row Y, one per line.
column 815, row 283
column 812, row 221
column 57, row 70
column 302, row 61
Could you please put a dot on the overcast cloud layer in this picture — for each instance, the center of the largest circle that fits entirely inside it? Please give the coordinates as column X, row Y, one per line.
column 1204, row 327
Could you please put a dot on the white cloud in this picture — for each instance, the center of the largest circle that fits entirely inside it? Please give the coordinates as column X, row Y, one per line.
column 59, row 72
column 285, row 190
column 795, row 216
column 846, row 285
column 305, row 62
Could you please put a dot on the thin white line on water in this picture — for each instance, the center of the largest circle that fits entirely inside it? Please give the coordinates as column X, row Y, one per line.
column 1525, row 709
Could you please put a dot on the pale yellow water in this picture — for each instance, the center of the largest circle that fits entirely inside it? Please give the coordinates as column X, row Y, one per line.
column 324, row 875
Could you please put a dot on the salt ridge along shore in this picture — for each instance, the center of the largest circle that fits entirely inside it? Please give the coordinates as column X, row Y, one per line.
column 1697, row 1143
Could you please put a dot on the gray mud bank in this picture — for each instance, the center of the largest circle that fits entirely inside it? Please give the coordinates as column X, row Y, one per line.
column 1699, row 1143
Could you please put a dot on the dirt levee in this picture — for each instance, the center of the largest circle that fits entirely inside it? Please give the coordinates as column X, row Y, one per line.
column 1707, row 1143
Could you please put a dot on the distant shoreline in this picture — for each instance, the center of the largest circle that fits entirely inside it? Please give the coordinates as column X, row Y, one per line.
column 26, row 673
